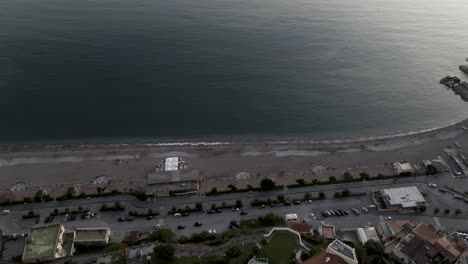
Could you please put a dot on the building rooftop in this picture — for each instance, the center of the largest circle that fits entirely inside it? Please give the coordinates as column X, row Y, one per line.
column 323, row 258
column 327, row 231
column 171, row 164
column 427, row 232
column 42, row 242
column 91, row 234
column 404, row 196
column 367, row 233
column 416, row 250
column 343, row 249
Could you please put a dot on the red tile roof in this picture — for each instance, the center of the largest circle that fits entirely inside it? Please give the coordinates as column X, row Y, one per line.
column 324, row 258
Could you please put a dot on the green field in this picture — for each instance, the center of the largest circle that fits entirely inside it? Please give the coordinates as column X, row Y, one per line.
column 280, row 248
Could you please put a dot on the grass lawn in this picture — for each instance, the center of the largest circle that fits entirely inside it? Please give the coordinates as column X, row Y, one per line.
column 279, row 248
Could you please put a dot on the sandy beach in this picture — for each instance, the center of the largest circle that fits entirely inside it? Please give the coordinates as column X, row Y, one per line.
column 55, row 165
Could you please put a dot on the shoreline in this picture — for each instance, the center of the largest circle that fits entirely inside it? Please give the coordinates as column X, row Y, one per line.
column 152, row 143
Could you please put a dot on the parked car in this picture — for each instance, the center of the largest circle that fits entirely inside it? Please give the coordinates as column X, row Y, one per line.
column 185, row 214
column 177, row 214
column 218, row 211
column 458, row 197
column 365, row 210
column 129, row 219
column 47, row 220
column 312, row 215
column 180, row 227
column 198, row 224
column 235, row 223
column 243, row 212
column 5, row 212
column 121, row 219
column 297, row 202
column 356, row 211
column 433, row 185
column 324, row 214
column 442, row 190
column 149, row 217
column 211, row 212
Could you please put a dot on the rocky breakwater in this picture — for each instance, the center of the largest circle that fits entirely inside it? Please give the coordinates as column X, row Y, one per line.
column 458, row 87
column 463, row 68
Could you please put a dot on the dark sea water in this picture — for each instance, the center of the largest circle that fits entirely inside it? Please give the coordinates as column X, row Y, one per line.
column 227, row 69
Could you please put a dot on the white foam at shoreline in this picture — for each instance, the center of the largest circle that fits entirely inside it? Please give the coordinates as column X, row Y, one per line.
column 285, row 153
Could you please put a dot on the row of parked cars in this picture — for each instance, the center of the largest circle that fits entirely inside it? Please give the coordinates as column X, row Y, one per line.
column 344, row 212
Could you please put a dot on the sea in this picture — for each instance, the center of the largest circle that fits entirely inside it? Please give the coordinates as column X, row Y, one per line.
column 227, row 70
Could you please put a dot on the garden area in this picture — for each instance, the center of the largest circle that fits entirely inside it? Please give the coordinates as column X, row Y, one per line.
column 280, row 248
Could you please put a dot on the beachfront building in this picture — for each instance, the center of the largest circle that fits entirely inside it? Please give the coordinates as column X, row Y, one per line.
column 367, row 233
column 48, row 243
column 92, row 236
column 403, row 198
column 403, row 167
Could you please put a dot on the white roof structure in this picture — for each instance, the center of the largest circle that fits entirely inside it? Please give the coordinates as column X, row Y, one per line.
column 367, row 233
column 291, row 217
column 403, row 166
column 404, row 196
column 171, row 164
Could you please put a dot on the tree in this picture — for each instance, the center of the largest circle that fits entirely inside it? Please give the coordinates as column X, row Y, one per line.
column 307, row 196
column 213, row 206
column 163, row 235
column 164, row 252
column 198, row 206
column 436, row 210
column 267, row 184
column 239, row 204
column 332, row 179
column 337, row 195
column 250, row 187
column 71, row 191
column 364, row 176
column 232, row 187
column 458, row 211
column 280, row 198
column 233, row 252
column 431, row 169
column 347, row 176
column 447, row 211
column 346, row 193
column 269, row 220
column 321, row 195
column 38, row 196
column 214, row 190
column 301, row 181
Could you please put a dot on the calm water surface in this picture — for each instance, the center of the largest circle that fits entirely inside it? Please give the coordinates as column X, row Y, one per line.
column 227, row 69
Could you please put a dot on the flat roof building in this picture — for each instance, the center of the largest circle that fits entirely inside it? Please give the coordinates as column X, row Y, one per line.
column 403, row 167
column 92, row 236
column 365, row 234
column 403, row 197
column 46, row 243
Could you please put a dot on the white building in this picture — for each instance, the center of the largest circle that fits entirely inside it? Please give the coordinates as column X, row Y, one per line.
column 365, row 234
column 403, row 167
column 171, row 164
column 403, row 198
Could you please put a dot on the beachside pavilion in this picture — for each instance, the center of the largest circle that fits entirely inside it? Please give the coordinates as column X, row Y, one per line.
column 48, row 243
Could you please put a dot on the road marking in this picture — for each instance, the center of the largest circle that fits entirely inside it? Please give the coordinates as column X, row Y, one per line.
column 437, row 221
